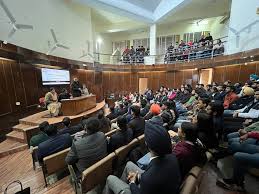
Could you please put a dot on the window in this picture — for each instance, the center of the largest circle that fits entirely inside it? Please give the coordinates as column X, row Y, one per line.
column 193, row 36
column 121, row 45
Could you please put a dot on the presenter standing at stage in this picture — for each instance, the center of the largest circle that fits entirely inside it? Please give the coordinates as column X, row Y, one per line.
column 76, row 88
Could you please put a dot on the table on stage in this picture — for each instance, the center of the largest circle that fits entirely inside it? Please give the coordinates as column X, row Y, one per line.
column 77, row 105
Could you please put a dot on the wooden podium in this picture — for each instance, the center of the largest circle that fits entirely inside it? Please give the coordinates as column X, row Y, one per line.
column 77, row 105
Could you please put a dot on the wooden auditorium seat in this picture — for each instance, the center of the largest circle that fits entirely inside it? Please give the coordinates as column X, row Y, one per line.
column 110, row 133
column 190, row 184
column 141, row 141
column 34, row 155
column 123, row 151
column 94, row 175
column 54, row 163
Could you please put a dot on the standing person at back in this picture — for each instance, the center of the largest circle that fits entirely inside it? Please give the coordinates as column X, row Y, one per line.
column 91, row 148
column 137, row 123
column 76, row 88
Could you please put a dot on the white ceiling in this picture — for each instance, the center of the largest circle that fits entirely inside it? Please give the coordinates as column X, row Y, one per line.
column 187, row 12
column 149, row 5
column 149, row 11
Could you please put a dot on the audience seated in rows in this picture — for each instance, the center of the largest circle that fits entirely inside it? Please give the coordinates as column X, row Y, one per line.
column 188, row 151
column 245, row 149
column 161, row 176
column 137, row 123
column 204, row 48
column 195, row 121
column 112, row 115
column 91, row 148
column 41, row 136
column 134, row 56
column 54, row 144
column 68, row 128
column 122, row 136
column 105, row 124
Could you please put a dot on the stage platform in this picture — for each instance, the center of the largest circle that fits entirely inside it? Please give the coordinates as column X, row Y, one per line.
column 38, row 118
column 18, row 139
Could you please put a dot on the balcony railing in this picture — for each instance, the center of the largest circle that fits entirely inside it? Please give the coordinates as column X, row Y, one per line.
column 185, row 55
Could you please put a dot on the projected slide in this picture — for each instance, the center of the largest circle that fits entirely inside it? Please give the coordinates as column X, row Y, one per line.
column 55, row 76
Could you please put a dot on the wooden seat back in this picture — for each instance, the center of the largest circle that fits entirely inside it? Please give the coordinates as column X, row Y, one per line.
column 190, row 184
column 55, row 162
column 97, row 173
column 110, row 133
column 123, row 151
column 34, row 155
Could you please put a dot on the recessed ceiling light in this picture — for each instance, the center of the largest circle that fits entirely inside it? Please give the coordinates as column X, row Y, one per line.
column 252, row 60
column 251, row 56
column 244, row 57
column 245, row 63
column 84, row 65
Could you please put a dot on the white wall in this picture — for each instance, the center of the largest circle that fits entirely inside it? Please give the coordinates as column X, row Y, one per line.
column 72, row 24
column 243, row 14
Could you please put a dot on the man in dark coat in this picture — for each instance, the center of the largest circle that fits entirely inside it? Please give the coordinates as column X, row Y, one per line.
column 76, row 88
column 162, row 174
column 137, row 123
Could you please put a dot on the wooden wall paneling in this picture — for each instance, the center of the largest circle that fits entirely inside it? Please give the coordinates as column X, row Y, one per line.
column 195, row 77
column 170, row 79
column 187, row 77
column 178, row 79
column 162, row 79
column 126, row 82
column 134, row 79
column 246, row 70
column 219, row 74
column 232, row 73
column 30, row 84
column 106, row 80
column 11, row 85
column 4, row 93
column 98, row 86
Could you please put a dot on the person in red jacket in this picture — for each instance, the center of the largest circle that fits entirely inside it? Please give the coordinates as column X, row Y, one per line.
column 246, row 156
column 230, row 97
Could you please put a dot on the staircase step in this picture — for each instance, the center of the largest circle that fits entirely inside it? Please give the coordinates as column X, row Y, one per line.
column 23, row 127
column 10, row 146
column 16, row 135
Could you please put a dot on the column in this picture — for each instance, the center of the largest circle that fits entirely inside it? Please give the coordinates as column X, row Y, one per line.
column 152, row 39
column 150, row 60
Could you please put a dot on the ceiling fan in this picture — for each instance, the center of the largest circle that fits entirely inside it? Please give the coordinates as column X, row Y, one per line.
column 56, row 43
column 15, row 26
column 86, row 54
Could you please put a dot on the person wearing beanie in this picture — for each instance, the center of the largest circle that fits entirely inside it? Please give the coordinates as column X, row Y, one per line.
column 155, row 110
column 162, row 174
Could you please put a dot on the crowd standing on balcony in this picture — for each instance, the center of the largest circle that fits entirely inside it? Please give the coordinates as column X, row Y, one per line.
column 184, row 51
column 131, row 55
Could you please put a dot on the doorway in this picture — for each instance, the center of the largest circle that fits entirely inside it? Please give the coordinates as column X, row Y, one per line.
column 142, row 85
column 206, row 76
